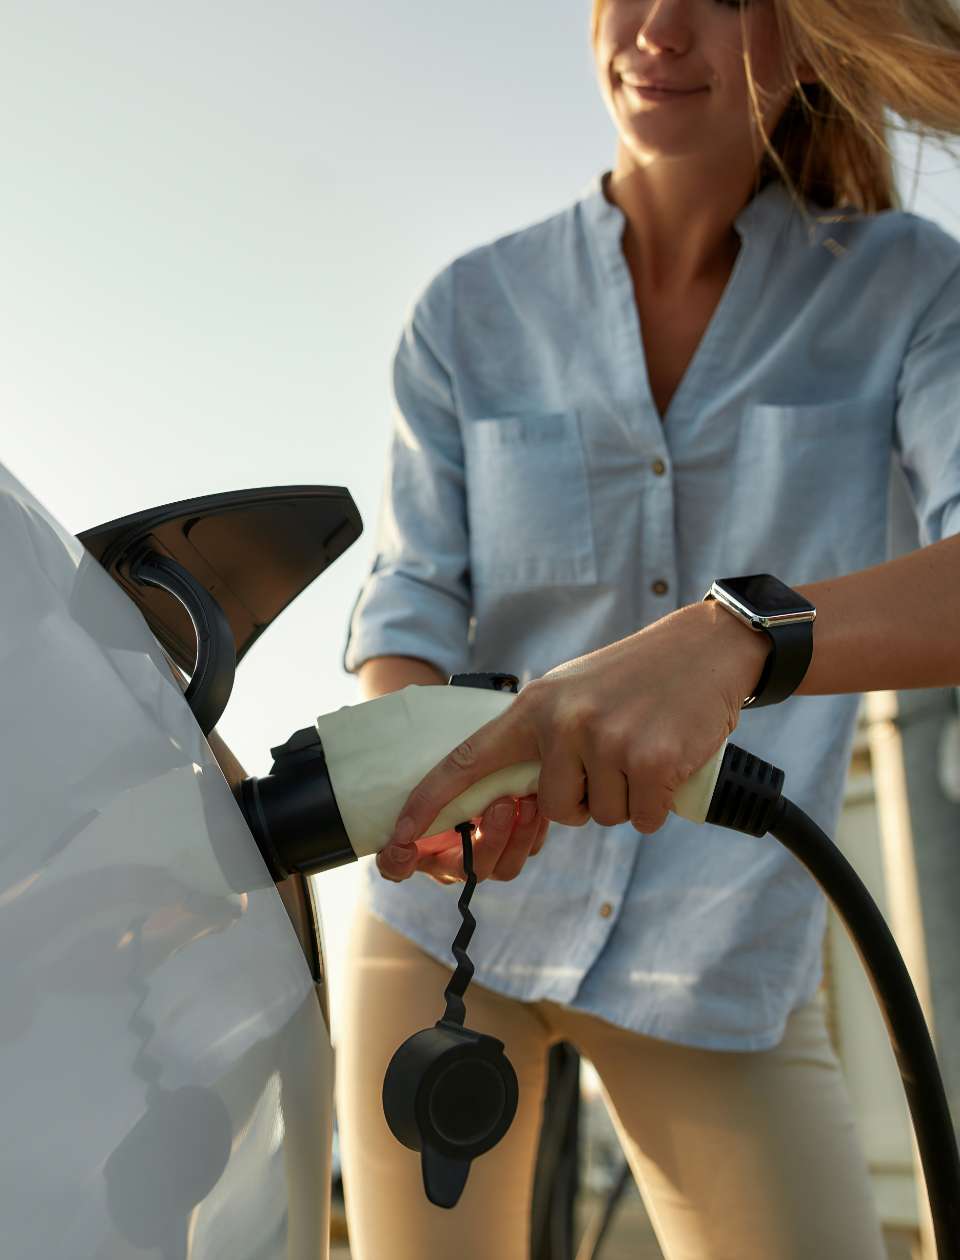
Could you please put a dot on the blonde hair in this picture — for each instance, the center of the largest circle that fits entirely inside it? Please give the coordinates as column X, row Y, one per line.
column 869, row 57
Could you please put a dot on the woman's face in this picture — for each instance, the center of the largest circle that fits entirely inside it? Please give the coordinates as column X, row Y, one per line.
column 672, row 75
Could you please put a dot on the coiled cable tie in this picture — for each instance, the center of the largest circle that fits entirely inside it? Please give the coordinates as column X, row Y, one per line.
column 455, row 1011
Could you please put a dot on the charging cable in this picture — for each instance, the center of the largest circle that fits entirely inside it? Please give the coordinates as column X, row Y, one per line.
column 749, row 797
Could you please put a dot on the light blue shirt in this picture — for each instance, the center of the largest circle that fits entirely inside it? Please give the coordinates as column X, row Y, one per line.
column 537, row 508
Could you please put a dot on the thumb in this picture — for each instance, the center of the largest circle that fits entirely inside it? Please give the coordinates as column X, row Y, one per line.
column 504, row 741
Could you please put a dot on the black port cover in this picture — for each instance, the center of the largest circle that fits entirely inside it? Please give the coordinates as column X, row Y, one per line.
column 253, row 550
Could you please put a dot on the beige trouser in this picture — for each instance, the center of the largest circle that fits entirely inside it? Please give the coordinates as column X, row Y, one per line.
column 739, row 1156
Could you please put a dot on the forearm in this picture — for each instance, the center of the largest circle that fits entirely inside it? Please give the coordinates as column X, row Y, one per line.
column 893, row 627
column 383, row 674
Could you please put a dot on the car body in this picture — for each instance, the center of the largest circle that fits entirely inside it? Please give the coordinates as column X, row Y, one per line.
column 165, row 1054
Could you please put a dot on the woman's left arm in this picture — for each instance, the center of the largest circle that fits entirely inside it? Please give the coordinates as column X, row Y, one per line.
column 897, row 625
column 892, row 627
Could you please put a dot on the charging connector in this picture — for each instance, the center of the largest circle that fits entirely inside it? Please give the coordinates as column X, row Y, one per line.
column 746, row 794
column 293, row 812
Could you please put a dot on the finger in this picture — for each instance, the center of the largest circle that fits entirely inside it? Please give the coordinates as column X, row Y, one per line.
column 504, row 741
column 397, row 862
column 446, row 868
column 648, row 806
column 607, row 794
column 517, row 849
column 523, row 832
column 541, row 836
column 649, row 821
column 493, row 836
column 528, row 817
column 563, row 786
column 441, row 841
column 650, row 793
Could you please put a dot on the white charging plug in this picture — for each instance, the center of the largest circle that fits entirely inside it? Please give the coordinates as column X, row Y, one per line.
column 376, row 753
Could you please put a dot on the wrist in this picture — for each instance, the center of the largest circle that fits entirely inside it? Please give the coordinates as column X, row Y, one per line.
column 744, row 651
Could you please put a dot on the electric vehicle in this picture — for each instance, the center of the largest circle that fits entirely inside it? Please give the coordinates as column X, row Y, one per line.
column 165, row 1053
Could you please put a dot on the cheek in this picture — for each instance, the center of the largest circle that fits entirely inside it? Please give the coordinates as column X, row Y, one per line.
column 604, row 48
column 768, row 62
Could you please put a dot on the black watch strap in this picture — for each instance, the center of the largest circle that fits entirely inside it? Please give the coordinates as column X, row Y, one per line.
column 787, row 661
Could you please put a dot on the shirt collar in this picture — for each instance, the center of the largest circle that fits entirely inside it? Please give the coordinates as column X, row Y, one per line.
column 764, row 213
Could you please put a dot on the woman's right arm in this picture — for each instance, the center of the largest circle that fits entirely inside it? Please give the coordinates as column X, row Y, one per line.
column 383, row 674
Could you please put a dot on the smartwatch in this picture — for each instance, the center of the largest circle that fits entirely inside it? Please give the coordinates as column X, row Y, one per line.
column 770, row 607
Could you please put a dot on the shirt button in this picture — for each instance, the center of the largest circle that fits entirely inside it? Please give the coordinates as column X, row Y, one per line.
column 659, row 587
column 658, row 467
column 606, row 910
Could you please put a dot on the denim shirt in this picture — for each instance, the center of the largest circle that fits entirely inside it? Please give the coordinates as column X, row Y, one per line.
column 537, row 507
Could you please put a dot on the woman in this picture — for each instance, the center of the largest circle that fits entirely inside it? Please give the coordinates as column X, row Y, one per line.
column 703, row 367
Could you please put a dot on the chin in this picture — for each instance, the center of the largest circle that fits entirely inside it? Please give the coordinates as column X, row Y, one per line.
column 646, row 149
column 661, row 139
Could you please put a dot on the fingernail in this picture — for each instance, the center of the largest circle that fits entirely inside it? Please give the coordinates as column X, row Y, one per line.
column 527, row 811
column 502, row 814
column 403, row 832
column 401, row 852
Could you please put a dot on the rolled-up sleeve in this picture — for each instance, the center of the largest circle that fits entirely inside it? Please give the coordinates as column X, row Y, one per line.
column 415, row 600
column 928, row 400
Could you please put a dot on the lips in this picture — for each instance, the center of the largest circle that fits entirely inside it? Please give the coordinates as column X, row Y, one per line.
column 651, row 85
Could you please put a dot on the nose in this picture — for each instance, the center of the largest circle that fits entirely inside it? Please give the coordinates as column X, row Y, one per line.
column 666, row 28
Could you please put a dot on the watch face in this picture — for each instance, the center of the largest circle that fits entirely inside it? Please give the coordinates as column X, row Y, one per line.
column 765, row 595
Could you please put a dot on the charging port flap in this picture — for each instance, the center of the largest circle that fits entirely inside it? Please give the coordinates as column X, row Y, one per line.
column 253, row 551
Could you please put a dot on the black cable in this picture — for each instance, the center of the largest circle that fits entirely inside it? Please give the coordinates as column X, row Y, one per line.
column 598, row 1227
column 557, row 1175
column 906, row 1026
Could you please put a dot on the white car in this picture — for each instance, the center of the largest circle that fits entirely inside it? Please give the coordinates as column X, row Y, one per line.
column 164, row 1045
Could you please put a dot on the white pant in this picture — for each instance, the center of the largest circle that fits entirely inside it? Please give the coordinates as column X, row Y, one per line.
column 738, row 1156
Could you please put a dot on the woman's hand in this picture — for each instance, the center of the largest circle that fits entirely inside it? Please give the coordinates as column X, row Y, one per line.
column 509, row 832
column 616, row 731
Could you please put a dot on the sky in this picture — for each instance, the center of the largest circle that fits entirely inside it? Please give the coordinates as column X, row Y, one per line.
column 214, row 219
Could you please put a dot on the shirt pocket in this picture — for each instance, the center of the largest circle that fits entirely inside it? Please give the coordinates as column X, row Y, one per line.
column 528, row 502
column 809, row 497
